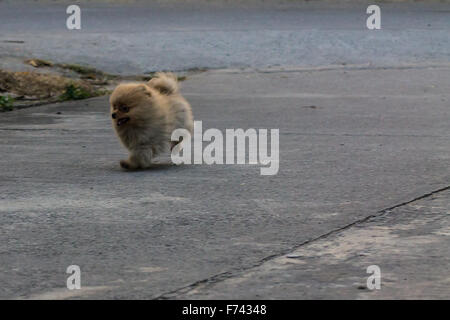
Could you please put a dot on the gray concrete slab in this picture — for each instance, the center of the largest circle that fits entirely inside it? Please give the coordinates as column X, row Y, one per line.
column 375, row 138
column 409, row 244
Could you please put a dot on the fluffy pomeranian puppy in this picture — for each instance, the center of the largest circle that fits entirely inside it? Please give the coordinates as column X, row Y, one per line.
column 144, row 116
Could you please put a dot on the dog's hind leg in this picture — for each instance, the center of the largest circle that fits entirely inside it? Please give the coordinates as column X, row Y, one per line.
column 139, row 159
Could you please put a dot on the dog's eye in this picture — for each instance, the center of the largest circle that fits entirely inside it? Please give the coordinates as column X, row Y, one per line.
column 124, row 109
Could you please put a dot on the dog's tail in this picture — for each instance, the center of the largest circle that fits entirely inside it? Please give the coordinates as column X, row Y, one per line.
column 164, row 82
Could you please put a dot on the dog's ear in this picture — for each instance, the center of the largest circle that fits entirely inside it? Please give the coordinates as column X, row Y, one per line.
column 146, row 90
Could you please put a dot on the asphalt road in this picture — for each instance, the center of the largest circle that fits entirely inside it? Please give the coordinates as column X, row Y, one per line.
column 137, row 38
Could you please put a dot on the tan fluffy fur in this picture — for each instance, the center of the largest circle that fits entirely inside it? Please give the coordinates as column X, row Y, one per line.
column 153, row 109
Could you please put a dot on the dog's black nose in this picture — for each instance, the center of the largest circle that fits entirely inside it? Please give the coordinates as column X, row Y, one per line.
column 113, row 115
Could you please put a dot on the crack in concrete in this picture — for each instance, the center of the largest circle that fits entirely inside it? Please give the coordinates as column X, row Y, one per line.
column 362, row 135
column 344, row 67
column 282, row 133
column 46, row 129
column 26, row 129
column 234, row 273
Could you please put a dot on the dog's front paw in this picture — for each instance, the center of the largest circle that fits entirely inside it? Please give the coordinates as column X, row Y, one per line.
column 126, row 164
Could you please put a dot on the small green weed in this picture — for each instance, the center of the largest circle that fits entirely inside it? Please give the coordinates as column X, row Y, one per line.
column 74, row 92
column 6, row 103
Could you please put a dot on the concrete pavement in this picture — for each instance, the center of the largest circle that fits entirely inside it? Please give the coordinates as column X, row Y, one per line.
column 353, row 142
column 409, row 244
column 364, row 143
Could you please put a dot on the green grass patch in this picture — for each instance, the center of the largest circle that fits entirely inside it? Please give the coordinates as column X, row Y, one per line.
column 81, row 69
column 6, row 103
column 74, row 92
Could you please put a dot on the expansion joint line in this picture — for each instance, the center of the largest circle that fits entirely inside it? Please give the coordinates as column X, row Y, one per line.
column 233, row 273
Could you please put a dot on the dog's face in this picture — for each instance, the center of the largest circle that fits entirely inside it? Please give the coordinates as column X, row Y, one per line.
column 128, row 104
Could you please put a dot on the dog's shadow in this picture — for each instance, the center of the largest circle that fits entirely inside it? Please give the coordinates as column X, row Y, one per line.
column 156, row 166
